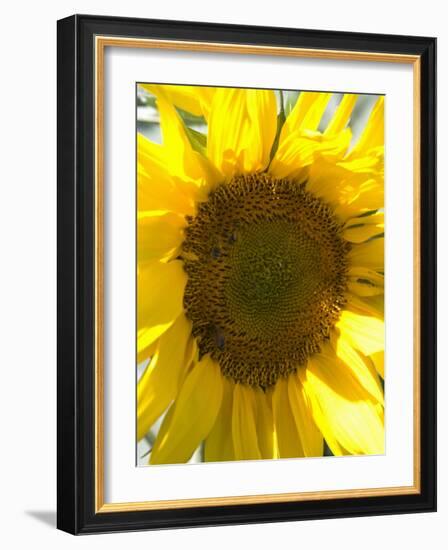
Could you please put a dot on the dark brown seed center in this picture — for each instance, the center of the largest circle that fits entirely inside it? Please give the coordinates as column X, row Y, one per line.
column 266, row 267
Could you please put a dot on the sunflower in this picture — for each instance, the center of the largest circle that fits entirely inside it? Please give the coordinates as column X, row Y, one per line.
column 260, row 277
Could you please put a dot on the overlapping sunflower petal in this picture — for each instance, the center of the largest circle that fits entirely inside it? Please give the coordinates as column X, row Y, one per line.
column 303, row 154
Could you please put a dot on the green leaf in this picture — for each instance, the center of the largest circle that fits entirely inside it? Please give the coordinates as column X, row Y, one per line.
column 368, row 213
column 198, row 140
column 189, row 118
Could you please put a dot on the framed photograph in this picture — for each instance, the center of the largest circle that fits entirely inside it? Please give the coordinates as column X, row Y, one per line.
column 246, row 274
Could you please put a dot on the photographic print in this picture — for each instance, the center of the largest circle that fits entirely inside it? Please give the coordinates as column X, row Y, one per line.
column 246, row 274
column 260, row 274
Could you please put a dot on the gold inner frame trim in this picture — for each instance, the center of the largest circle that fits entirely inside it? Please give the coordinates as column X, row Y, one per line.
column 101, row 42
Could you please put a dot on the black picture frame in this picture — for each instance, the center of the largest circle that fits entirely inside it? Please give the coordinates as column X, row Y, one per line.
column 76, row 285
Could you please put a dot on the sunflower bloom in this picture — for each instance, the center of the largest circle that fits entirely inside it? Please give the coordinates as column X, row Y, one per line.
column 260, row 278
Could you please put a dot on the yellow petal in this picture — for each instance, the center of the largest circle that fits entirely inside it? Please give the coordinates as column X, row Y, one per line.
column 359, row 365
column 358, row 230
column 319, row 414
column 310, row 435
column 192, row 353
column 241, row 130
column 164, row 427
column 159, row 235
column 157, row 189
column 191, row 358
column 369, row 196
column 306, row 114
column 194, row 414
column 244, row 428
column 369, row 255
column 193, row 99
column 349, row 416
column 372, row 164
column 160, row 291
column 265, row 423
column 300, row 151
column 365, row 282
column 146, row 352
column 372, row 306
column 362, row 332
column 288, row 439
column 219, row 443
column 378, row 361
column 159, row 383
column 184, row 162
column 342, row 114
column 349, row 192
column 373, row 134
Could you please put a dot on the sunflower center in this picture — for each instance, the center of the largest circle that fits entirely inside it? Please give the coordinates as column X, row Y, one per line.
column 266, row 267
